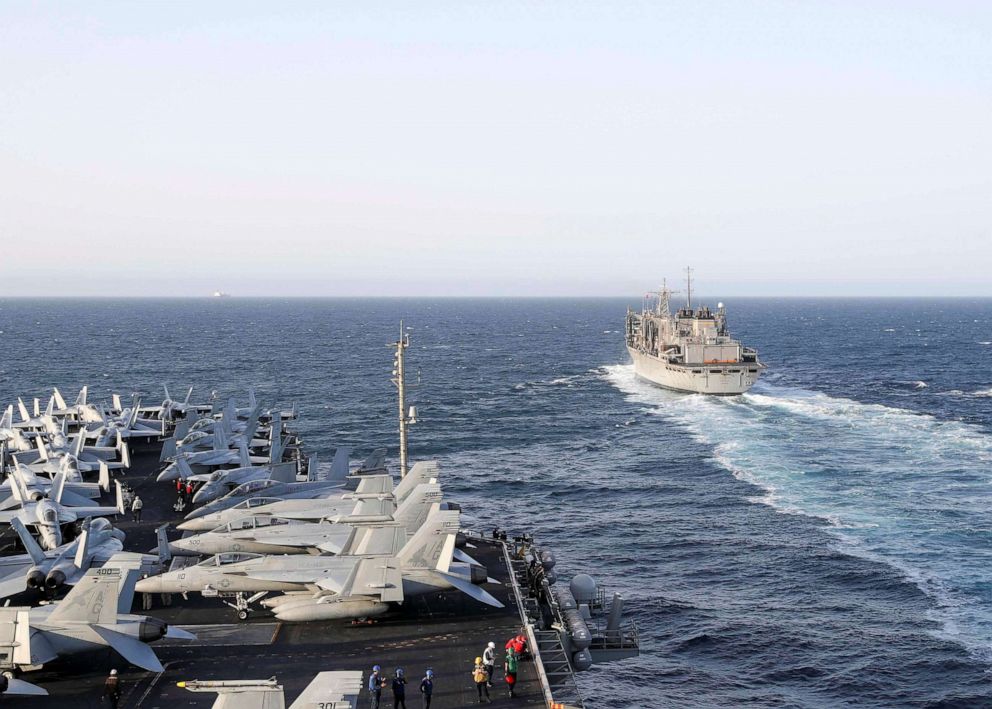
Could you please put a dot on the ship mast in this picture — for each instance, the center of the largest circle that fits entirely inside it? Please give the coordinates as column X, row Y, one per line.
column 688, row 287
column 406, row 418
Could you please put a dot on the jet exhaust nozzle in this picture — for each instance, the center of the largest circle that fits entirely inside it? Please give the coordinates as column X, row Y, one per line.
column 152, row 629
column 36, row 579
column 55, row 579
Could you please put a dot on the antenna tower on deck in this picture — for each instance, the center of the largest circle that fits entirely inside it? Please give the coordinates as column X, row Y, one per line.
column 407, row 418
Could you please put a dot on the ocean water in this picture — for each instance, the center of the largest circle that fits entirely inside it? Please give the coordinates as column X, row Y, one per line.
column 824, row 540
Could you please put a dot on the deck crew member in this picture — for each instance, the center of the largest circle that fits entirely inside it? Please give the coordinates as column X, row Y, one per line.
column 136, row 508
column 376, row 683
column 481, row 679
column 427, row 687
column 510, row 669
column 399, row 689
column 489, row 661
column 112, row 689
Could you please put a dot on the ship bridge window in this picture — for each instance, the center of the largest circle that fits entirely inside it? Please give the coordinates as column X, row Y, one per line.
column 752, row 370
column 697, row 371
column 733, row 371
column 716, row 371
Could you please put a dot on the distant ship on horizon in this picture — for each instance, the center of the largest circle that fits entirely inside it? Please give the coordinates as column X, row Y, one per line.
column 691, row 351
column 220, row 294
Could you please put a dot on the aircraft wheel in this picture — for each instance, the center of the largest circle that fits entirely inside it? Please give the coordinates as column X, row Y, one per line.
column 243, row 615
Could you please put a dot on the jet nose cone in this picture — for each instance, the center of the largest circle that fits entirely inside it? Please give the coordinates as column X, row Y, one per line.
column 185, row 526
column 152, row 584
column 169, row 473
column 202, row 495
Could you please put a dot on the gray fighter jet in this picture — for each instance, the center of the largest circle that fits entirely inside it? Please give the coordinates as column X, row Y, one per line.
column 47, row 514
column 39, row 569
column 337, row 530
column 13, row 438
column 80, row 409
column 127, row 425
column 35, row 486
column 248, row 497
column 87, row 619
column 358, row 586
column 88, row 458
column 220, row 482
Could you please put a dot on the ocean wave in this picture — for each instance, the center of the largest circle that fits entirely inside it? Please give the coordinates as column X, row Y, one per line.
column 892, row 485
column 977, row 394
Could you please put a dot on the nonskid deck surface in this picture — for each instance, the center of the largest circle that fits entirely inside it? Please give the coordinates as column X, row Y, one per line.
column 445, row 632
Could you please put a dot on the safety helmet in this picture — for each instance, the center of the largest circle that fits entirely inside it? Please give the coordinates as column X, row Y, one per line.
column 492, row 644
column 399, row 671
column 375, row 668
column 113, row 673
column 478, row 660
column 430, row 673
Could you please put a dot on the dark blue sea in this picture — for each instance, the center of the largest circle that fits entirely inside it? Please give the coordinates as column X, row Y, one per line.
column 823, row 541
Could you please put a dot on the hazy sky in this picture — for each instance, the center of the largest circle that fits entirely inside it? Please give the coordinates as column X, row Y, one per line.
column 500, row 148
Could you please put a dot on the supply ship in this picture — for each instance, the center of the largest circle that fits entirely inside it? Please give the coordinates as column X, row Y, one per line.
column 691, row 351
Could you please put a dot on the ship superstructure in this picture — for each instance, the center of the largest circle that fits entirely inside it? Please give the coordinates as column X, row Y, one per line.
column 690, row 351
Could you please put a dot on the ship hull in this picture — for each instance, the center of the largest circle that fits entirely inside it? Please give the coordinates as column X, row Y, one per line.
column 719, row 380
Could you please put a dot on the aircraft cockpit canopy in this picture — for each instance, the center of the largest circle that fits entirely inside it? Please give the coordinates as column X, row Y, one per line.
column 228, row 558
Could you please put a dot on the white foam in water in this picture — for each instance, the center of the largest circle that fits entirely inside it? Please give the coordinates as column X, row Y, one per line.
column 893, row 485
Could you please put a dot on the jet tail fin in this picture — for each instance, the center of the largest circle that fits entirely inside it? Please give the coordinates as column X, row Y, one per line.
column 164, row 553
column 58, row 487
column 422, row 473
column 220, row 437
column 189, row 393
column 433, row 545
column 252, row 423
column 59, row 401
column 339, row 466
column 92, row 600
column 42, row 451
column 8, row 418
column 77, row 446
column 81, row 396
column 121, row 507
column 22, row 410
column 115, row 401
column 17, row 486
column 229, row 416
column 168, row 450
column 29, row 542
column 104, row 476
column 376, row 462
column 414, row 511
column 83, row 546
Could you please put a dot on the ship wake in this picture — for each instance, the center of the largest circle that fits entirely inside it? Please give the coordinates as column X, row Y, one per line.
column 892, row 485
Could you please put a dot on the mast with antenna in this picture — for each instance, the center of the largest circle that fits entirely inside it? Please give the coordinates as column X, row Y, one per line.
column 407, row 418
column 688, row 287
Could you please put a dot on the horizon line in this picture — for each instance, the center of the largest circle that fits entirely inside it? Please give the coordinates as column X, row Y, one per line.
column 229, row 297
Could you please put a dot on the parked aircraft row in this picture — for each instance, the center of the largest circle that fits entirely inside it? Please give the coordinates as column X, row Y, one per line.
column 347, row 545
